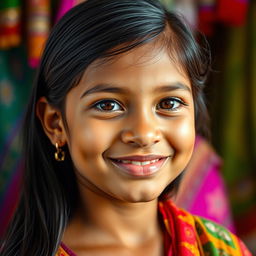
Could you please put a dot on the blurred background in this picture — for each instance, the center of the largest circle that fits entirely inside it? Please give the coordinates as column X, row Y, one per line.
column 220, row 181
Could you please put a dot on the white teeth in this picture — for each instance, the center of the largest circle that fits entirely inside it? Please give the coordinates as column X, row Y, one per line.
column 137, row 162
column 145, row 163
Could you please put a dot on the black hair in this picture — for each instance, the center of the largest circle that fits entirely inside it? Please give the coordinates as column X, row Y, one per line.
column 95, row 29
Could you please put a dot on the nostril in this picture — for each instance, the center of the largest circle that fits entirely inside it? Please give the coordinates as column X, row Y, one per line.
column 131, row 142
column 142, row 139
column 138, row 142
column 157, row 140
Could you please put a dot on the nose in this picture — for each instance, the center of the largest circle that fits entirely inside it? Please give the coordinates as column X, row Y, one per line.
column 141, row 132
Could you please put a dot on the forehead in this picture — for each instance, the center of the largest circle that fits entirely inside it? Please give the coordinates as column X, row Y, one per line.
column 152, row 61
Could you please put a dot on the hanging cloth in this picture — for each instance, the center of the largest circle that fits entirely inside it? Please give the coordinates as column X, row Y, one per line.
column 10, row 23
column 38, row 29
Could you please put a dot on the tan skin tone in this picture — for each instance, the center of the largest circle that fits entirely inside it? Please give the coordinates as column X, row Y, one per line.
column 139, row 104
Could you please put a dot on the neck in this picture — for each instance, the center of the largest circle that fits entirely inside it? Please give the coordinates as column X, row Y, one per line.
column 114, row 222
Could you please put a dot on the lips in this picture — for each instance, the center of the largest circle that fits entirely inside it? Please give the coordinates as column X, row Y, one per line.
column 138, row 162
column 140, row 166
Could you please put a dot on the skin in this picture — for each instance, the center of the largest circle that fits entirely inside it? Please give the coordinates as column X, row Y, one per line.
column 150, row 112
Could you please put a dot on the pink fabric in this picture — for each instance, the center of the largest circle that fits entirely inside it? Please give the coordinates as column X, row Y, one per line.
column 211, row 200
column 65, row 5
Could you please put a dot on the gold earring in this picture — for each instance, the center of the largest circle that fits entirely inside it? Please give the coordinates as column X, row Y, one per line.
column 59, row 154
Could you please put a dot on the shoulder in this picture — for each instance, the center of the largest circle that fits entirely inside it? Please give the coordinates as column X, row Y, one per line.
column 215, row 238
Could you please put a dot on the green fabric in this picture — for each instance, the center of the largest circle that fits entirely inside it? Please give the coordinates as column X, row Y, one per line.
column 218, row 232
column 15, row 85
column 4, row 4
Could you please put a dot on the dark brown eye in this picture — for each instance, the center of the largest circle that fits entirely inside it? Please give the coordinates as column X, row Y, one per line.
column 169, row 104
column 108, row 105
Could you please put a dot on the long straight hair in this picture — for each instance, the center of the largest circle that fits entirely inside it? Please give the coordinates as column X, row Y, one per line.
column 95, row 29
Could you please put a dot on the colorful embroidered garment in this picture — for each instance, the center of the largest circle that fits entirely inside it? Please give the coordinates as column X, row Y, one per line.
column 188, row 235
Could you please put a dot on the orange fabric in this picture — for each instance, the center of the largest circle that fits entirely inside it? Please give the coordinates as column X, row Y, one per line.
column 38, row 28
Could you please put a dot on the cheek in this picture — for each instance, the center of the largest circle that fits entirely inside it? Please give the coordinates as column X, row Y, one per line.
column 186, row 133
column 90, row 139
column 181, row 136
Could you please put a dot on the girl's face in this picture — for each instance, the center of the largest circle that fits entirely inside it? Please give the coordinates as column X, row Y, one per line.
column 131, row 125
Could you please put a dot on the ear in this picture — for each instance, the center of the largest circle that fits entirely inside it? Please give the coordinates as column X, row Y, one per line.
column 51, row 121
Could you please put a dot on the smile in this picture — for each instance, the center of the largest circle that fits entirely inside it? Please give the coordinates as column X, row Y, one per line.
column 140, row 166
column 137, row 162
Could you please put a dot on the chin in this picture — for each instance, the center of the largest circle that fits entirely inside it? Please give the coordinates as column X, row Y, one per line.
column 142, row 196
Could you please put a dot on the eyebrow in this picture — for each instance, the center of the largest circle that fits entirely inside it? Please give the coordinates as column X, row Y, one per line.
column 104, row 88
column 114, row 89
column 173, row 87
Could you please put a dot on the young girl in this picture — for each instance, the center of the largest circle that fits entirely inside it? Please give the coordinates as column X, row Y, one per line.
column 109, row 129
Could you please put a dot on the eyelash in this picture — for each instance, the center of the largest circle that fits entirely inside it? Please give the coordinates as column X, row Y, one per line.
column 120, row 108
column 98, row 103
column 173, row 100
